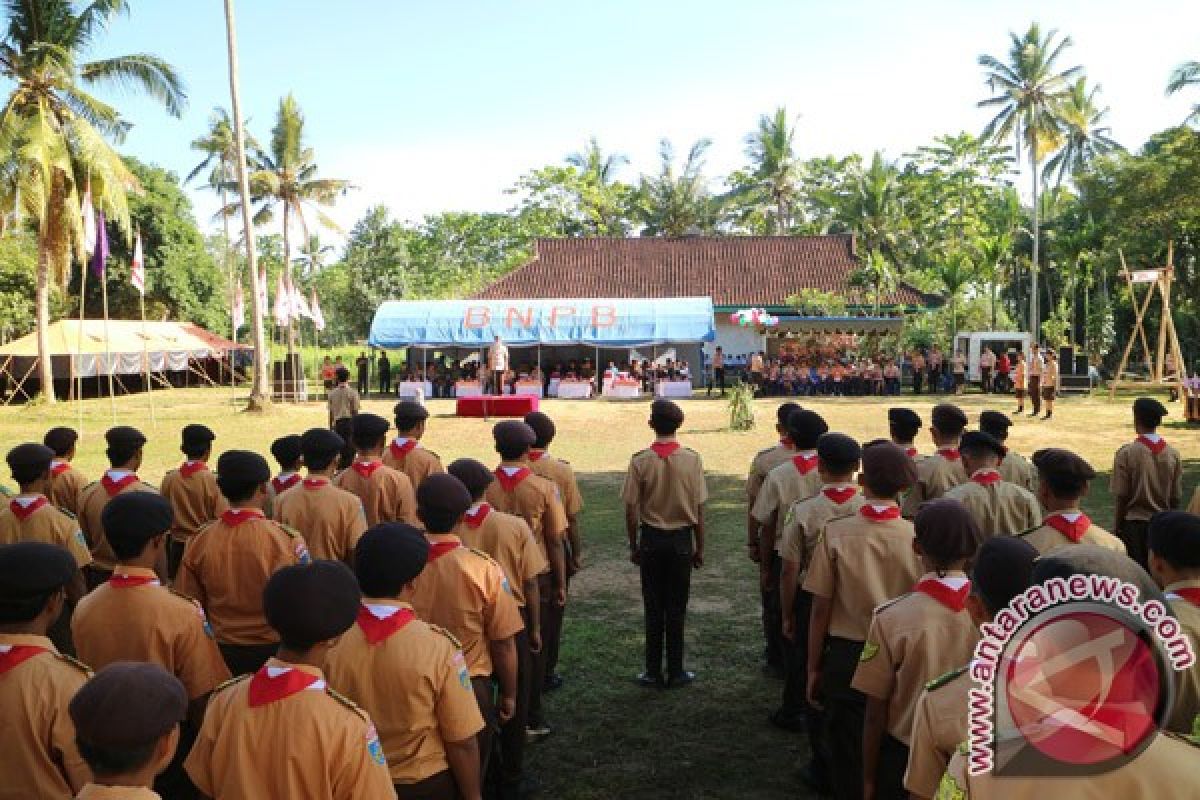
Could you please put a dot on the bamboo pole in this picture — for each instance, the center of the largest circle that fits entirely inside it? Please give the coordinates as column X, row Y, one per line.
column 146, row 361
column 112, row 400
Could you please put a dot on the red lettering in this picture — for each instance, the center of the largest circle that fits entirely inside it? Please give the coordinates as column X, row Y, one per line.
column 477, row 317
column 603, row 316
column 566, row 311
column 512, row 314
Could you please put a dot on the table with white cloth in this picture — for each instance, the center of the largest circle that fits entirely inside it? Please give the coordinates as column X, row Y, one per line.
column 673, row 389
column 529, row 388
column 414, row 388
column 622, row 388
column 574, row 390
column 468, row 389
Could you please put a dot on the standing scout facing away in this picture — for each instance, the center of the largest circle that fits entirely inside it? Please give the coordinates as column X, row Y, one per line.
column 1147, row 477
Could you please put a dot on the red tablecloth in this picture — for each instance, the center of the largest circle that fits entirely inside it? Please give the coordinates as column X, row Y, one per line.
column 492, row 406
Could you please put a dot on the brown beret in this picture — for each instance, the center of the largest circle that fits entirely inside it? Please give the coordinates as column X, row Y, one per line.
column 474, row 475
column 980, row 442
column 542, row 425
column 311, row 603
column 243, row 466
column 443, row 494
column 128, row 705
column 887, row 468
column 30, row 458
column 667, row 411
column 123, row 435
column 512, row 434
column 948, row 418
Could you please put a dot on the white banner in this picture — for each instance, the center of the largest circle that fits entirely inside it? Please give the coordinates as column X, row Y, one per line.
column 1144, row 276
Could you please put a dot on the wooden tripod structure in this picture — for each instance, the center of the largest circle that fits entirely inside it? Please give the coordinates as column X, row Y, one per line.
column 1167, row 350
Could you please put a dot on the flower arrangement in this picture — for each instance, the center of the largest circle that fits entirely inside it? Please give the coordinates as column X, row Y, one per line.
column 753, row 317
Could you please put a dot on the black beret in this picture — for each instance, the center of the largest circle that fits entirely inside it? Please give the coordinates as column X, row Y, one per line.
column 146, row 513
column 390, row 552
column 978, row 441
column 124, row 435
column 1147, row 408
column 995, row 423
column 30, row 456
column 198, row 434
column 32, row 569
column 286, row 449
column 666, row 411
column 904, row 418
column 128, row 705
column 321, row 442
column 887, row 468
column 410, row 410
column 804, row 427
column 948, row 418
column 442, row 493
column 311, row 603
column 946, row 518
column 243, row 466
column 1175, row 536
column 542, row 425
column 784, row 411
column 838, row 448
column 474, row 475
column 1056, row 463
column 370, row 426
column 513, row 434
column 60, row 439
column 1002, row 569
column 1090, row 559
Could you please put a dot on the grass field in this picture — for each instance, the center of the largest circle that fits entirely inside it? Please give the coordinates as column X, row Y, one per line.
column 612, row 739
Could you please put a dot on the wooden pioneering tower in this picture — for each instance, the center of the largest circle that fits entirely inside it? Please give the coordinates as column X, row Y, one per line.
column 1165, row 361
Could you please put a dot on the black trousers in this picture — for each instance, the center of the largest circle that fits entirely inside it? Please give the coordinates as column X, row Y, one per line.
column 795, row 683
column 538, row 661
column 845, row 709
column 1035, row 392
column 918, row 378
column 498, row 382
column 512, row 733
column 889, row 776
column 175, row 550
column 385, row 383
column 773, row 616
column 246, row 659
column 719, row 378
column 486, row 738
column 436, row 787
column 552, row 627
column 364, row 385
column 666, row 573
column 1133, row 533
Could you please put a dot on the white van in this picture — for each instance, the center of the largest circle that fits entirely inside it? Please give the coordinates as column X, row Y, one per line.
column 972, row 344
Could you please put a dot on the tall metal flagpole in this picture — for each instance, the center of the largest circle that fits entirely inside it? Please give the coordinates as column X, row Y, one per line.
column 77, row 359
column 138, row 274
column 112, row 400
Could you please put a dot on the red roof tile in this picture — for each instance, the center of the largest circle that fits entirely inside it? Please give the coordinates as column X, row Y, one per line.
column 738, row 271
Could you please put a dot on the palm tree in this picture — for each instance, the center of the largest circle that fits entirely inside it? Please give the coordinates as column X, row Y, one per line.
column 1030, row 93
column 872, row 208
column 1186, row 75
column 1086, row 137
column 954, row 271
column 676, row 203
column 994, row 252
column 603, row 202
column 969, row 165
column 594, row 163
column 55, row 135
column 876, row 274
column 776, row 169
column 312, row 256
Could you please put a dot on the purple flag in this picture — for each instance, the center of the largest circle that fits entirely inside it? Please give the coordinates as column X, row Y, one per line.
column 100, row 256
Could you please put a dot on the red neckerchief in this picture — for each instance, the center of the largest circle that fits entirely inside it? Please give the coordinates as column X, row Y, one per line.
column 265, row 689
column 114, row 488
column 366, row 468
column 509, row 483
column 912, row 452
column 870, row 512
column 59, row 467
column 804, row 464
column 664, row 449
column 236, row 516
column 786, row 442
column 1189, row 593
column 839, row 495
column 25, row 512
column 18, row 653
column 949, row 453
column 439, row 549
column 376, row 629
column 312, row 484
column 537, row 455
column 475, row 518
column 1154, row 447
column 119, row 581
column 188, row 469
column 281, row 485
column 953, row 599
column 986, row 477
column 1072, row 530
column 401, row 450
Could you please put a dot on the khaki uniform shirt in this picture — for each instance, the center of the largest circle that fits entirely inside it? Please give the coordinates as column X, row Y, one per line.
column 94, row 791
column 912, row 640
column 343, row 402
column 509, row 541
column 66, row 483
column 1150, row 482
column 1000, row 508
column 859, row 564
column 1050, row 375
column 314, row 743
column 416, row 687
column 1186, row 710
column 226, row 568
column 418, row 463
column 562, row 475
column 466, row 592
column 46, row 524
column 331, row 519
column 765, row 461
column 1047, row 539
column 806, row 518
column 92, row 501
column 194, row 498
column 936, row 475
column 939, row 726
column 534, row 500
column 386, row 494
column 148, row 623
column 1037, row 365
column 668, row 492
column 785, row 484
column 40, row 760
column 1019, row 375
column 1016, row 468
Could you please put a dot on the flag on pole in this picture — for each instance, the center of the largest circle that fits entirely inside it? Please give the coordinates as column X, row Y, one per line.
column 88, row 213
column 300, row 306
column 137, row 269
column 239, row 308
column 283, row 303
column 260, row 286
column 100, row 256
column 317, row 317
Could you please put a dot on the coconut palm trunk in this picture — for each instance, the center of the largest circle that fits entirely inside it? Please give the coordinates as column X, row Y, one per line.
column 287, row 271
column 42, row 306
column 1034, row 327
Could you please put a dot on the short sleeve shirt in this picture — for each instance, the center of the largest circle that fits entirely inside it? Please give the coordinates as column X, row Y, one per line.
column 417, row 463
column 936, row 475
column 509, row 541
column 804, row 521
column 66, row 483
column 535, row 500
column 92, row 501
column 765, row 461
column 563, row 476
column 45, row 524
column 331, row 519
column 1000, row 508
column 386, row 494
column 668, row 492
column 1150, row 482
column 939, row 726
column 195, row 500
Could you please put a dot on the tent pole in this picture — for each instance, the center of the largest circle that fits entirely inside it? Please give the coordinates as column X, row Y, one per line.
column 146, row 359
column 83, row 271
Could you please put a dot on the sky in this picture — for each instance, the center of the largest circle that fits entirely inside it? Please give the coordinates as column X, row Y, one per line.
column 440, row 106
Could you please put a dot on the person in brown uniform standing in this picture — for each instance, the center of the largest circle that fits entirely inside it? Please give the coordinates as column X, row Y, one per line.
column 903, row 426
column 192, row 490
column 942, row 471
column 387, row 495
column 1173, row 539
column 343, row 400
column 1036, row 366
column 331, row 519
column 286, row 451
column 1014, row 467
column 229, row 562
column 125, row 455
column 30, row 517
column 283, row 732
column 40, row 760
column 1063, row 480
column 1000, row 508
column 1147, row 477
column 405, row 452
column 410, row 676
column 664, row 495
column 67, row 482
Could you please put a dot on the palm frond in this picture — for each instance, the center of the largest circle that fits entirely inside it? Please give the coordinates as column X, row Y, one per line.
column 1184, row 76
column 142, row 71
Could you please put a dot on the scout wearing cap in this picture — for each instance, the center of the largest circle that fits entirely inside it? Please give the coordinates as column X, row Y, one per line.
column 127, row 724
column 386, row 494
column 1001, row 571
column 405, row 452
column 411, row 677
column 1147, row 477
column 286, row 451
column 30, row 516
column 1063, row 479
column 36, row 683
column 192, row 489
column 764, row 461
column 282, row 732
column 332, row 519
column 1014, row 467
column 942, row 471
column 133, row 617
column 903, row 425
column 124, row 454
column 1001, row 508
column 916, row 638
column 228, row 563
column 1174, row 546
column 860, row 561
column 66, row 482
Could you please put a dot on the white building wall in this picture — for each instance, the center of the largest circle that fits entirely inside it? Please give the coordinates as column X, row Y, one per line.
column 734, row 339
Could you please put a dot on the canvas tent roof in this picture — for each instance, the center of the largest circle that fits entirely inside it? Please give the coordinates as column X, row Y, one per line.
column 124, row 337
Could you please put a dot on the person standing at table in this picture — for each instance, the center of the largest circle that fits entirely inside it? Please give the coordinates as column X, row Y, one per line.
column 383, row 366
column 497, row 361
column 343, row 400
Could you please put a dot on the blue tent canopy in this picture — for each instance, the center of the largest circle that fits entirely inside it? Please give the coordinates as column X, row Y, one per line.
column 474, row 324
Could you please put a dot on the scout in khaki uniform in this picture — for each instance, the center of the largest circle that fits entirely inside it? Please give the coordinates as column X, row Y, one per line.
column 192, row 490
column 387, row 495
column 228, row 563
column 67, row 481
column 286, row 451
column 125, row 455
column 1147, row 477
column 1001, row 572
column 913, row 639
column 40, row 759
column 465, row 591
column 1174, row 542
column 860, row 561
column 343, row 399
column 942, row 471
column 1014, row 467
column 332, row 519
column 1063, row 479
column 903, row 425
column 30, row 517
column 127, row 729
column 664, row 495
column 283, row 732
column 1037, row 365
column 1000, row 508
column 405, row 453
column 1050, row 382
column 410, row 676
column 837, row 462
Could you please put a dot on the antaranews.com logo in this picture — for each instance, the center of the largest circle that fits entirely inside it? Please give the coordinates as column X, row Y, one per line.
column 1074, row 677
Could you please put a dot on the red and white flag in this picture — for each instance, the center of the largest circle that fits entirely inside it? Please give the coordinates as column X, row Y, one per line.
column 299, row 304
column 283, row 303
column 260, row 286
column 318, row 318
column 137, row 269
column 88, row 212
column 239, row 308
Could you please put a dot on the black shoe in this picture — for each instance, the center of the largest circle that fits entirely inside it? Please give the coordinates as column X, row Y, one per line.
column 553, row 682
column 787, row 722
column 813, row 779
column 681, row 679
column 650, row 680
column 773, row 671
column 1048, row 416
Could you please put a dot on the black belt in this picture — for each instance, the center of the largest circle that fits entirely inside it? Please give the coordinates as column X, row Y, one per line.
column 666, row 532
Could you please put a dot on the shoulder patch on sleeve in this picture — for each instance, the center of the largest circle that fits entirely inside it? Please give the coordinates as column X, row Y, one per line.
column 236, row 679
column 453, row 639
column 869, row 651
column 347, row 703
column 74, row 662
column 942, row 680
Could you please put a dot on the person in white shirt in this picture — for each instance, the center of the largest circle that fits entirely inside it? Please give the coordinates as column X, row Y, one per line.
column 497, row 360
